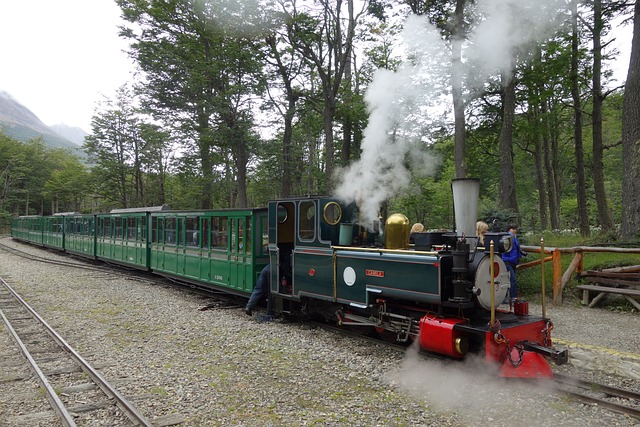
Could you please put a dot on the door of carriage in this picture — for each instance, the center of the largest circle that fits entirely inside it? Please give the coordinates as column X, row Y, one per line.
column 239, row 256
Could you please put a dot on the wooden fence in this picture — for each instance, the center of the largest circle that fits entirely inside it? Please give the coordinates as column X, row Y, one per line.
column 554, row 255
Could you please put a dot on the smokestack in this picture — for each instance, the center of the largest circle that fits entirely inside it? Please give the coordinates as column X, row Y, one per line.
column 466, row 193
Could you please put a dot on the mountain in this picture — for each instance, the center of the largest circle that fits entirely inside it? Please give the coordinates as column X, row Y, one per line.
column 73, row 134
column 18, row 122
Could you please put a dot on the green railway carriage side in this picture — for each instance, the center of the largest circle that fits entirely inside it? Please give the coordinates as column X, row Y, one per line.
column 53, row 231
column 80, row 234
column 122, row 237
column 27, row 228
column 221, row 249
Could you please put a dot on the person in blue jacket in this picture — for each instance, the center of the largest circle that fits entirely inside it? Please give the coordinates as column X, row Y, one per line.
column 261, row 291
column 511, row 259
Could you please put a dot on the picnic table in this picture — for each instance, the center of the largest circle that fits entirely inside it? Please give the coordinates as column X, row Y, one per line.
column 623, row 281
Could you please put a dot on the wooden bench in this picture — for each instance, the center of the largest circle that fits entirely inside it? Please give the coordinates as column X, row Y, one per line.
column 604, row 290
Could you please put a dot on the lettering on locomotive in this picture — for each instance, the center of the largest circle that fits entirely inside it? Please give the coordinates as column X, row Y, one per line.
column 374, row 273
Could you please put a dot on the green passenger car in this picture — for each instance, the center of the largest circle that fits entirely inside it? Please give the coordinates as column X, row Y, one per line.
column 53, row 231
column 224, row 249
column 122, row 236
column 79, row 234
column 27, row 228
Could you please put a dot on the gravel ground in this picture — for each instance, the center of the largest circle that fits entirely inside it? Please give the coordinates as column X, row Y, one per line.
column 222, row 368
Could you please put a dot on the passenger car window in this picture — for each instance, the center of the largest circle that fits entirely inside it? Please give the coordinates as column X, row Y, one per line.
column 219, row 233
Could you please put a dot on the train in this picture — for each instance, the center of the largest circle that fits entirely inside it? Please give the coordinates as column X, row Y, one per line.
column 441, row 292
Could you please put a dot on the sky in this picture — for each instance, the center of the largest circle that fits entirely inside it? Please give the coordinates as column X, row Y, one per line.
column 60, row 57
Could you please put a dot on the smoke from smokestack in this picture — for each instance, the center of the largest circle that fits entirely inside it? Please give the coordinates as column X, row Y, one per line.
column 403, row 104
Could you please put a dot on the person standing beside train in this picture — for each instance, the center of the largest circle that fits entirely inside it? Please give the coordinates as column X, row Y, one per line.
column 512, row 258
column 261, row 290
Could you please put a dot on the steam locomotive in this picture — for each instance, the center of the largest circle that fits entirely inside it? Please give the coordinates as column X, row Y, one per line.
column 442, row 291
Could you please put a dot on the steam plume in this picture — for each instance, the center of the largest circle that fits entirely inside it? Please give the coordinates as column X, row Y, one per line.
column 402, row 103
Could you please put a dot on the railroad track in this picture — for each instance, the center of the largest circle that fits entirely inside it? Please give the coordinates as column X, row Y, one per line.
column 81, row 265
column 615, row 399
column 102, row 268
column 56, row 364
column 622, row 401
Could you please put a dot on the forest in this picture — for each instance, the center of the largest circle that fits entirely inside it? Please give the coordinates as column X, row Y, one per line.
column 380, row 102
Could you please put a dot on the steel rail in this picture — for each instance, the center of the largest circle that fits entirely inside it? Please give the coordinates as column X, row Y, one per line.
column 601, row 388
column 52, row 396
column 38, row 258
column 122, row 403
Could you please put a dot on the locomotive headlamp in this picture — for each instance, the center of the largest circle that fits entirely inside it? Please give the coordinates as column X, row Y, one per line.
column 502, row 242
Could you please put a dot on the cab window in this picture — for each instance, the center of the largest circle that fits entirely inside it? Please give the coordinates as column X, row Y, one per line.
column 307, row 221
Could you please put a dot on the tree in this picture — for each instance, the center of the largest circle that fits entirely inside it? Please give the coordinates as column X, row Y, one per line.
column 115, row 147
column 449, row 17
column 631, row 138
column 11, row 179
column 287, row 68
column 457, row 38
column 583, row 217
column 68, row 186
column 202, row 65
column 597, row 31
column 325, row 39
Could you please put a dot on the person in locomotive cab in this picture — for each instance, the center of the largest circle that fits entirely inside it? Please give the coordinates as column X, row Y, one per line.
column 415, row 228
column 260, row 292
column 511, row 259
column 481, row 229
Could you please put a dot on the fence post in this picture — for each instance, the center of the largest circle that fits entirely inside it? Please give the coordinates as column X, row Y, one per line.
column 557, row 276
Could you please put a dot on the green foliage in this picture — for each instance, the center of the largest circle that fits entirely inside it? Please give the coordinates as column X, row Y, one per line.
column 498, row 220
column 37, row 179
column 5, row 222
column 530, row 279
column 206, row 67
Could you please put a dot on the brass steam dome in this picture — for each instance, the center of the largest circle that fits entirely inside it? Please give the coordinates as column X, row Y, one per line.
column 397, row 232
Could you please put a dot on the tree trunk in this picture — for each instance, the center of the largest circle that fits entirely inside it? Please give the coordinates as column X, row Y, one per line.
column 286, row 185
column 604, row 215
column 347, row 126
column 327, row 118
column 538, row 157
column 507, row 189
column 539, row 153
column 204, row 147
column 550, row 162
column 581, row 193
column 631, row 138
column 549, row 148
column 457, row 37
column 242, row 159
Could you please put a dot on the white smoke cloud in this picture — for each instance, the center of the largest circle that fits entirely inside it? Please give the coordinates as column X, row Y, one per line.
column 509, row 27
column 473, row 390
column 402, row 104
column 396, row 101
